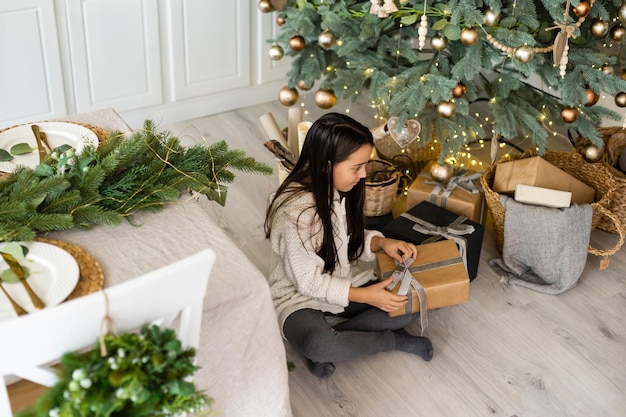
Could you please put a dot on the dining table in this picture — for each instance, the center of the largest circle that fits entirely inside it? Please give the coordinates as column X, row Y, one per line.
column 241, row 354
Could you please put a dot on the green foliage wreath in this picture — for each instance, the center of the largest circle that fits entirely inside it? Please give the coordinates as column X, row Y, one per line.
column 114, row 181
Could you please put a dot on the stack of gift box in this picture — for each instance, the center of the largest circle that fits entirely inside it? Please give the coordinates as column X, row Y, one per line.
column 455, row 212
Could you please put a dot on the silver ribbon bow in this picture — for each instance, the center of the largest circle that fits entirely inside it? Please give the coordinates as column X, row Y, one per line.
column 453, row 231
column 402, row 274
column 460, row 179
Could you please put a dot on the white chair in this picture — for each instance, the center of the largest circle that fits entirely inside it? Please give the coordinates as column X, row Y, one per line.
column 30, row 343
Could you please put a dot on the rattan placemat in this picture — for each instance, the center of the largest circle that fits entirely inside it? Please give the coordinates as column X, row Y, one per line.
column 91, row 278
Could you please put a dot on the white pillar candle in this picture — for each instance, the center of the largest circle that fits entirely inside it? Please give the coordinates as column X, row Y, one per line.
column 295, row 117
column 272, row 130
column 303, row 128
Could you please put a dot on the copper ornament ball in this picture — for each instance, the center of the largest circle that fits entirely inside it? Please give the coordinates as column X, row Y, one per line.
column 459, row 90
column 276, row 52
column 297, row 43
column 618, row 33
column 592, row 97
column 441, row 172
column 326, row 39
column 569, row 114
column 469, row 36
column 446, row 109
column 592, row 153
column 623, row 74
column 325, row 99
column 302, row 85
column 288, row 96
column 280, row 20
column 620, row 99
column 599, row 28
column 583, row 8
column 265, row 6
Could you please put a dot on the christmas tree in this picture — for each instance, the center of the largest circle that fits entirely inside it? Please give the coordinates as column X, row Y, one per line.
column 465, row 69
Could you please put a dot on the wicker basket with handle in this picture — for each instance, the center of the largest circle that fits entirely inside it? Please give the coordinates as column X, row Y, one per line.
column 594, row 175
column 381, row 187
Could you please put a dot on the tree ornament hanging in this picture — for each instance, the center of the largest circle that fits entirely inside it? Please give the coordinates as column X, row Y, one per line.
column 326, row 39
column 561, row 47
column 325, row 98
column 297, row 43
column 405, row 136
column 422, row 31
column 491, row 18
column 446, row 109
column 623, row 74
column 618, row 32
column 441, row 172
column 592, row 153
column 620, row 99
column 583, row 8
column 524, row 54
column 459, row 90
column 592, row 97
column 438, row 43
column 469, row 36
column 383, row 10
column 276, row 52
column 302, row 85
column 288, row 96
column 599, row 28
column 280, row 20
column 621, row 13
column 265, row 6
column 569, row 114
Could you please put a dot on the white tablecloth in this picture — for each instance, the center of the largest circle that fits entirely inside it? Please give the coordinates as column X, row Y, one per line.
column 241, row 353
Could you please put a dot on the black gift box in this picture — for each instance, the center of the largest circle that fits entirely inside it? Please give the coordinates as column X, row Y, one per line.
column 443, row 224
column 378, row 222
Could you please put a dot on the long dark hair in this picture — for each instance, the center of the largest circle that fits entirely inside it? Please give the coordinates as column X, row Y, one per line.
column 331, row 139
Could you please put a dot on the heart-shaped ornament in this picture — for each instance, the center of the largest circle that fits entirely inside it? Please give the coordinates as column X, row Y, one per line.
column 406, row 135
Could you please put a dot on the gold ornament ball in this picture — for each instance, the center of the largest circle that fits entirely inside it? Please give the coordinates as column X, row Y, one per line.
column 297, row 43
column 621, row 13
column 592, row 153
column 441, row 172
column 446, row 109
column 325, row 99
column 620, row 99
column 265, row 6
column 438, row 43
column 592, row 97
column 524, row 54
column 469, row 36
column 276, row 52
column 600, row 28
column 623, row 74
column 302, row 85
column 326, row 39
column 583, row 8
column 618, row 33
column 569, row 114
column 459, row 90
column 280, row 20
column 288, row 96
column 491, row 18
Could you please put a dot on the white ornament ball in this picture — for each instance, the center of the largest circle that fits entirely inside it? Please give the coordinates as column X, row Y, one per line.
column 441, row 172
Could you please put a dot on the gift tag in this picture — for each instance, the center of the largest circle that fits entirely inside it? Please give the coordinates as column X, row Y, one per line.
column 407, row 134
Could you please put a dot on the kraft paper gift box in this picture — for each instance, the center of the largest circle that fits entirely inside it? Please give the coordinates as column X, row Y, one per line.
column 427, row 222
column 461, row 195
column 438, row 269
column 538, row 172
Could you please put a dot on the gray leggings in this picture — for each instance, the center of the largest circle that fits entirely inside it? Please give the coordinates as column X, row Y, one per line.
column 365, row 331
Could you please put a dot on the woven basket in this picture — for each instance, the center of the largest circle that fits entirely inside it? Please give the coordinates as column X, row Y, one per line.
column 614, row 144
column 381, row 187
column 594, row 175
column 417, row 154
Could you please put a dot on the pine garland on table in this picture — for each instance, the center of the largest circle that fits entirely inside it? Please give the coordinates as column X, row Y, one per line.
column 122, row 176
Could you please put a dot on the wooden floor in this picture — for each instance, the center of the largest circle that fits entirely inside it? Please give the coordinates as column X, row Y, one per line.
column 508, row 352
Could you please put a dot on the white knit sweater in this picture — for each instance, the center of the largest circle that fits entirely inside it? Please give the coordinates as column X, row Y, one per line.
column 296, row 276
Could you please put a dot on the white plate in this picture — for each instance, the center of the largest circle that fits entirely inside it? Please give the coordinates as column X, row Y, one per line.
column 59, row 133
column 53, row 275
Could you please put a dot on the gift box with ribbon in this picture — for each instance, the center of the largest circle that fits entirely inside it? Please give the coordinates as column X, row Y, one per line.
column 427, row 222
column 436, row 278
column 462, row 194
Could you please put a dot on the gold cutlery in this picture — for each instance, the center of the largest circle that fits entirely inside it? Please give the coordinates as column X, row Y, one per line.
column 42, row 150
column 44, row 139
column 17, row 269
column 16, row 307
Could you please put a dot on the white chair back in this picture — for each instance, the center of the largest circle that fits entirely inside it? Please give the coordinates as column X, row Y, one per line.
column 30, row 343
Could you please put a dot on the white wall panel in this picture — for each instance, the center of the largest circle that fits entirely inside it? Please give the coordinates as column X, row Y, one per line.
column 31, row 77
column 115, row 53
column 209, row 48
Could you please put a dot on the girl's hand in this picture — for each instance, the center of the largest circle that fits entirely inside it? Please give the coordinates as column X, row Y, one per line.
column 377, row 296
column 397, row 249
